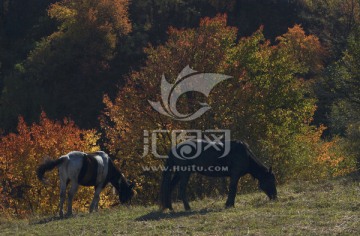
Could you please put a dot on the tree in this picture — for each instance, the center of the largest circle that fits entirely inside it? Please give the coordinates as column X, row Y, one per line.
column 332, row 21
column 66, row 74
column 343, row 79
column 21, row 192
column 267, row 103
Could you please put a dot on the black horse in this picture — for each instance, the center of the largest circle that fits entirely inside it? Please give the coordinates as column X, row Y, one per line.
column 239, row 161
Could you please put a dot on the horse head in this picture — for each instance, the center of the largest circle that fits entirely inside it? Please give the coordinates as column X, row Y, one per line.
column 126, row 191
column 268, row 184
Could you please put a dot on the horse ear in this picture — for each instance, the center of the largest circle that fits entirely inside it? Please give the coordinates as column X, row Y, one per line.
column 123, row 164
column 270, row 170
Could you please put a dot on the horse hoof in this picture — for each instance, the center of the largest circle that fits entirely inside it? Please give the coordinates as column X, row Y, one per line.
column 229, row 206
column 68, row 215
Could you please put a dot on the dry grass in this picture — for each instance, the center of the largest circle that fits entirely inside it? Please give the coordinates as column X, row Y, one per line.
column 329, row 207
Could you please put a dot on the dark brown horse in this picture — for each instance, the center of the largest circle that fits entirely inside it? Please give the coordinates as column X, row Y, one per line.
column 87, row 169
column 238, row 162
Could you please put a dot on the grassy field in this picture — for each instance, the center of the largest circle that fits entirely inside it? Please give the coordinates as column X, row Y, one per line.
column 330, row 207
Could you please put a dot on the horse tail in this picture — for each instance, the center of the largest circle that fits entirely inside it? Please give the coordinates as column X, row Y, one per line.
column 165, row 189
column 48, row 165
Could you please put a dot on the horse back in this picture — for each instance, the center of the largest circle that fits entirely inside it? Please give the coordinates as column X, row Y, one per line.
column 88, row 172
column 236, row 161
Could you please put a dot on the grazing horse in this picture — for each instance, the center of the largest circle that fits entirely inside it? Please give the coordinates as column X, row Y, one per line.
column 86, row 169
column 239, row 161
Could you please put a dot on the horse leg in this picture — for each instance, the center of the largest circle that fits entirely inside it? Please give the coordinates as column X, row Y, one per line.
column 165, row 190
column 175, row 180
column 62, row 197
column 183, row 183
column 71, row 194
column 95, row 202
column 234, row 179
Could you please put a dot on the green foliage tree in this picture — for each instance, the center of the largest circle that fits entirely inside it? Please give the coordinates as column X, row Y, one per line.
column 344, row 81
column 66, row 74
column 22, row 23
column 333, row 21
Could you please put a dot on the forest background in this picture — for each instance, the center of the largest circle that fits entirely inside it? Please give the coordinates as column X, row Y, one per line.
column 76, row 75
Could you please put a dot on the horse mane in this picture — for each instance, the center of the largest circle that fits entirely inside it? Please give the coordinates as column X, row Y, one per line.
column 253, row 157
column 118, row 171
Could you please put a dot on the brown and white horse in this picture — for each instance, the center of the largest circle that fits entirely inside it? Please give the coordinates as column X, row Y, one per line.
column 86, row 169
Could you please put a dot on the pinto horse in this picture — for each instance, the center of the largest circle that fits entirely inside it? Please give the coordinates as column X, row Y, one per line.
column 86, row 169
column 239, row 161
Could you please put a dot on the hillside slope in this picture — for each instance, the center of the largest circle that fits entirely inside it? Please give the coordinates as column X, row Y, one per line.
column 306, row 208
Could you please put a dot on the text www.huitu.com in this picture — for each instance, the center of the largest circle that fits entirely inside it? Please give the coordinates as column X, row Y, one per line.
column 192, row 168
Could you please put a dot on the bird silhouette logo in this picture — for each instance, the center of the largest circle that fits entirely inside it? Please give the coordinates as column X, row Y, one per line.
column 188, row 80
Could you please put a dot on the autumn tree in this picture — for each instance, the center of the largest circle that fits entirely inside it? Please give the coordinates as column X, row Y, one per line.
column 126, row 119
column 267, row 103
column 21, row 192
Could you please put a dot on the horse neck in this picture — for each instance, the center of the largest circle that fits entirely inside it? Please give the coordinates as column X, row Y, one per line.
column 114, row 174
column 257, row 169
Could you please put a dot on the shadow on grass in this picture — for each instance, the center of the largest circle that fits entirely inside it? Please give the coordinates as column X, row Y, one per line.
column 46, row 220
column 158, row 215
column 53, row 218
